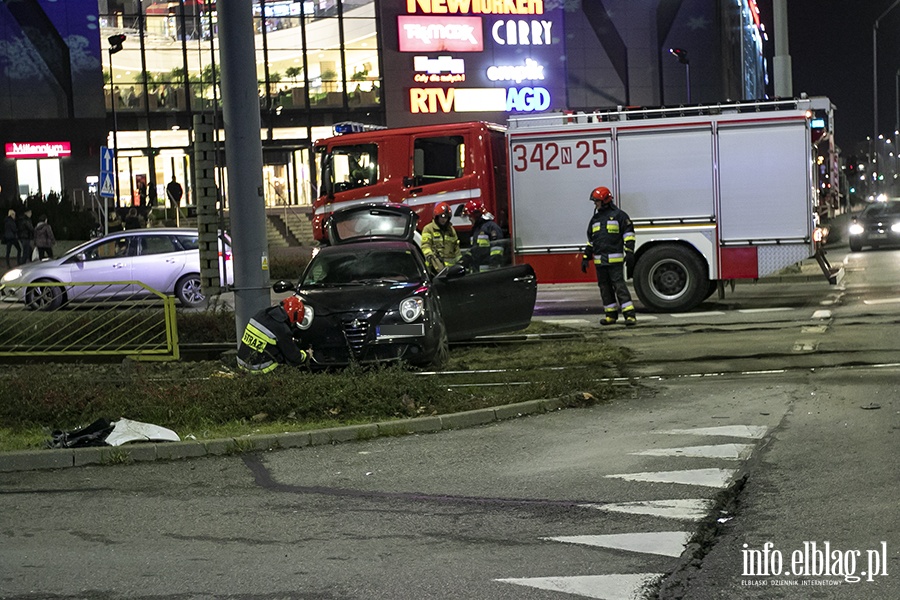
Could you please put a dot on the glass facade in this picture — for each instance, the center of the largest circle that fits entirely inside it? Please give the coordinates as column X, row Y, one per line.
column 317, row 64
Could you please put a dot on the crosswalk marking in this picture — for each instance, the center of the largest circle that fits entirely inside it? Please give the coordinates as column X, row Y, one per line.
column 741, row 431
column 664, row 543
column 688, row 509
column 717, row 478
column 723, row 451
column 631, row 586
column 627, row 586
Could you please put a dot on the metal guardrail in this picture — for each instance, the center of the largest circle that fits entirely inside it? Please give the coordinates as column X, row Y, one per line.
column 125, row 318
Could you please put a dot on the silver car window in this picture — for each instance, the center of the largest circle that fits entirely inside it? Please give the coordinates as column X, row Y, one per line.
column 189, row 242
column 156, row 244
column 109, row 249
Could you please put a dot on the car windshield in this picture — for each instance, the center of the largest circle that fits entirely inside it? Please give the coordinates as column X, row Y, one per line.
column 368, row 266
column 882, row 209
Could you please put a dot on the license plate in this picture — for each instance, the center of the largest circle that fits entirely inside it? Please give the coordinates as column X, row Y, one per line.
column 402, row 330
column 878, row 236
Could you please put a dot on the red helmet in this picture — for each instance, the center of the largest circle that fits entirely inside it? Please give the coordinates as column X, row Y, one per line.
column 602, row 194
column 475, row 208
column 293, row 306
column 442, row 209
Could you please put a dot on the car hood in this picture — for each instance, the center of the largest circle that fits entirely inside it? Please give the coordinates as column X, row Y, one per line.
column 32, row 269
column 355, row 298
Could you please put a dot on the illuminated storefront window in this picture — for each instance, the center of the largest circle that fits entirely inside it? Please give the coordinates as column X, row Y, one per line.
column 317, row 63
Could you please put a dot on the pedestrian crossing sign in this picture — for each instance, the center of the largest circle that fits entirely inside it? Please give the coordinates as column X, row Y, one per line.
column 107, row 161
column 107, row 189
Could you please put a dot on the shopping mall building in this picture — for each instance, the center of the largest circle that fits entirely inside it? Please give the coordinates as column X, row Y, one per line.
column 67, row 88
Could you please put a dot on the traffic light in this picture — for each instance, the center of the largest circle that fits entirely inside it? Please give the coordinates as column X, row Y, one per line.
column 115, row 42
column 680, row 54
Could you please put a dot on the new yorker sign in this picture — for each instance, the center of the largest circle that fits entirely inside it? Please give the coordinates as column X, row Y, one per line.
column 502, row 56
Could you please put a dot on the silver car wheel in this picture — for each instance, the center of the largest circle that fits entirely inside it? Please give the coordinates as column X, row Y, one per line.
column 188, row 291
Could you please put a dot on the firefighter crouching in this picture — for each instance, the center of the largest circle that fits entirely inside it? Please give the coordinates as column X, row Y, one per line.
column 610, row 236
column 440, row 244
column 268, row 339
column 488, row 243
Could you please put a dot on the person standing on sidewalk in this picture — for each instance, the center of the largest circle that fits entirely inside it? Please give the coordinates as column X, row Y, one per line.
column 610, row 244
column 175, row 192
column 11, row 237
column 44, row 239
column 26, row 236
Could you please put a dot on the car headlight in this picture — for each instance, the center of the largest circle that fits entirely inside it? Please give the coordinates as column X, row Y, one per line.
column 895, row 227
column 11, row 275
column 411, row 308
column 856, row 229
column 308, row 314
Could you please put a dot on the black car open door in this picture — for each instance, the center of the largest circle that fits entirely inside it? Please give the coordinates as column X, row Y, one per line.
column 485, row 303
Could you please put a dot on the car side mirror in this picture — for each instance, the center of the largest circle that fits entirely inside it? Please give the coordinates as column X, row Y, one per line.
column 81, row 257
column 453, row 272
column 281, row 286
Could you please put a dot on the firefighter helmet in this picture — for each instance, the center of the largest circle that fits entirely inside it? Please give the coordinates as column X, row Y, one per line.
column 601, row 194
column 474, row 208
column 293, row 306
column 442, row 209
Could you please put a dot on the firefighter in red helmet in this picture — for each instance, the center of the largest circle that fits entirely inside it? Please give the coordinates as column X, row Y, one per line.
column 610, row 245
column 268, row 339
column 487, row 250
column 440, row 244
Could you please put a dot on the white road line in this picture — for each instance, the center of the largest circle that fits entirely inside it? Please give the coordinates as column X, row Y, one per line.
column 688, row 509
column 814, row 329
column 627, row 586
column 715, row 478
column 882, row 301
column 755, row 432
column 821, row 314
column 723, row 451
column 764, row 310
column 711, row 313
column 804, row 346
column 663, row 543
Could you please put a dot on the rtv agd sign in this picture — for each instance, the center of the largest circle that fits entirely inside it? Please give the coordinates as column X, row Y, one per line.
column 482, row 56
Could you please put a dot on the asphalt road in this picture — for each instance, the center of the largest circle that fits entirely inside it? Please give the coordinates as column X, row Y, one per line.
column 799, row 405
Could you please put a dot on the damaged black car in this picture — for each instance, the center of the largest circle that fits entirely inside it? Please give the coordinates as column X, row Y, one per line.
column 369, row 297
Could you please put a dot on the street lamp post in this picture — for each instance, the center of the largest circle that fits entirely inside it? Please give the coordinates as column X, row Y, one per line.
column 115, row 45
column 682, row 57
column 875, row 67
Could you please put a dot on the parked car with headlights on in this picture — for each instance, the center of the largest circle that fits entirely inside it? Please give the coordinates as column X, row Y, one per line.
column 878, row 224
column 165, row 259
column 369, row 297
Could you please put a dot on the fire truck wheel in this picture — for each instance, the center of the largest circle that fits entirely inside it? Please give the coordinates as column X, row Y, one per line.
column 671, row 278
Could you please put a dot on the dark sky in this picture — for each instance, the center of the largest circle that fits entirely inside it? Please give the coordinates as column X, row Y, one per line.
column 831, row 55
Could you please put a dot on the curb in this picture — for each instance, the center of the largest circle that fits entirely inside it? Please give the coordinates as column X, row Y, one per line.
column 35, row 460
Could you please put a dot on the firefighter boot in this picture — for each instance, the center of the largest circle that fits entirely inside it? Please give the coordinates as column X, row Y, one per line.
column 630, row 321
column 610, row 318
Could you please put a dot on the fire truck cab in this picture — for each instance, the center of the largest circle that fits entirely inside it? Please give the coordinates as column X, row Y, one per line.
column 416, row 166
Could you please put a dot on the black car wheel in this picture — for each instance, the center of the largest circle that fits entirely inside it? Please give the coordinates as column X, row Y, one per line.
column 442, row 355
column 188, row 291
column 41, row 297
column 671, row 278
column 855, row 245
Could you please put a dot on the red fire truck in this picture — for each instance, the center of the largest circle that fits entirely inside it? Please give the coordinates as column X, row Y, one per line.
column 717, row 193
